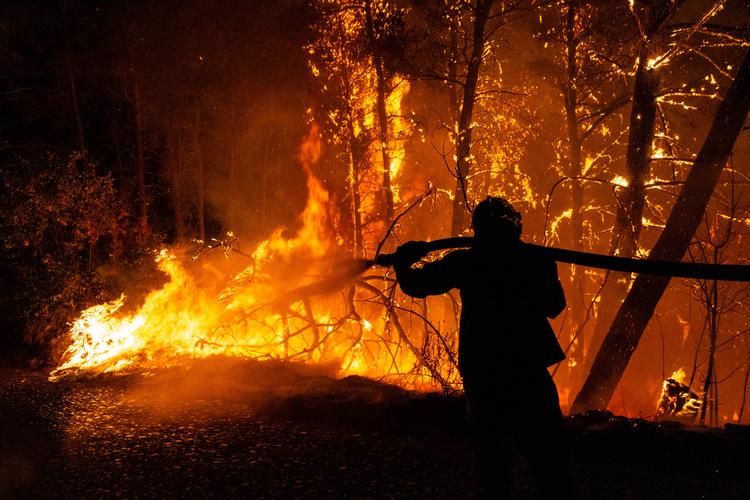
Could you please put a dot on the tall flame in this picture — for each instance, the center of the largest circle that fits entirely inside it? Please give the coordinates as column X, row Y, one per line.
column 104, row 340
column 253, row 314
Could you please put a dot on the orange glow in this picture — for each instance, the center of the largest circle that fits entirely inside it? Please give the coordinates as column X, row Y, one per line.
column 253, row 315
column 521, row 149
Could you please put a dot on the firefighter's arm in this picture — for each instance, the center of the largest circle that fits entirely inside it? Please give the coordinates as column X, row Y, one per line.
column 433, row 278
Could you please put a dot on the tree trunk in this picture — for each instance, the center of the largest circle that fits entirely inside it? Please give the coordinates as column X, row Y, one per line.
column 138, row 160
column 642, row 122
column 71, row 79
column 176, row 181
column 577, row 338
column 200, row 190
column 382, row 117
column 268, row 153
column 744, row 390
column 640, row 303
column 628, row 220
column 461, row 211
column 574, row 138
column 353, row 158
column 233, row 183
column 119, row 168
column 709, row 384
column 453, row 104
column 357, row 238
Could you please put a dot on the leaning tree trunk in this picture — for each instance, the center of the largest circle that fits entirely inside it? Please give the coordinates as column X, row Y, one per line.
column 639, row 305
column 460, row 219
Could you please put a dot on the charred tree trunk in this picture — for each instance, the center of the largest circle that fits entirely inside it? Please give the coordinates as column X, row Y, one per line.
column 353, row 159
column 139, row 161
column 453, row 104
column 633, row 316
column 382, row 117
column 628, row 220
column 710, row 388
column 358, row 239
column 461, row 210
column 574, row 137
column 176, row 182
column 233, row 184
column 71, row 79
column 577, row 338
column 119, row 168
column 744, row 390
column 200, row 190
column 642, row 122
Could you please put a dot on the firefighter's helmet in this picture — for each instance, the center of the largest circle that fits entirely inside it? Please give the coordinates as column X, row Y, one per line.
column 495, row 216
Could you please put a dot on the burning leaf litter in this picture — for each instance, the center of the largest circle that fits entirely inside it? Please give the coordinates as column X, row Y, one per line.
column 265, row 311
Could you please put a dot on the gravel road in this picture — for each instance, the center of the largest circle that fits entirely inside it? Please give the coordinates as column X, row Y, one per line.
column 233, row 429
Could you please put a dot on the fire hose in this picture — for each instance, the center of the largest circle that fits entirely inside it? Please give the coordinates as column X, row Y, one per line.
column 347, row 271
column 723, row 272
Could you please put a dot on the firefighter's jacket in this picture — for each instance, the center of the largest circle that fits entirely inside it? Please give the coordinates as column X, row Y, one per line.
column 507, row 294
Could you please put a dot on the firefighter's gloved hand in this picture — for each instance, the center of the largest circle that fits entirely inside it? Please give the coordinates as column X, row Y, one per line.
column 410, row 252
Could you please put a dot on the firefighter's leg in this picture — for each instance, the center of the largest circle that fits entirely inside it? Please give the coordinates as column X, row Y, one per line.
column 543, row 441
column 493, row 455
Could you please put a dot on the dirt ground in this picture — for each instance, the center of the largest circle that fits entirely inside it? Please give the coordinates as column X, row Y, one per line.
column 228, row 429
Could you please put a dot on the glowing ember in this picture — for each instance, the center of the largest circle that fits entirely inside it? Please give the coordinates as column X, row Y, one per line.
column 619, row 180
column 677, row 401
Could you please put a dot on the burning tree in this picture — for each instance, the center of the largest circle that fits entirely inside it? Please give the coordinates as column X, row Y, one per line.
column 360, row 331
column 585, row 56
column 318, row 131
column 360, row 109
column 685, row 217
column 464, row 36
column 650, row 134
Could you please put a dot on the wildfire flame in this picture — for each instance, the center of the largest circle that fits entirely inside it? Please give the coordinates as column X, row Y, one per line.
column 677, row 400
column 186, row 319
column 163, row 330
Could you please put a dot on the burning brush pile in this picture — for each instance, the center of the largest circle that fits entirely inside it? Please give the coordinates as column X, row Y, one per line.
column 677, row 401
column 299, row 298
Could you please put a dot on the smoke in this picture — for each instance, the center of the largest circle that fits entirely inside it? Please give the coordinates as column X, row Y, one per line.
column 221, row 383
column 239, row 120
column 221, row 386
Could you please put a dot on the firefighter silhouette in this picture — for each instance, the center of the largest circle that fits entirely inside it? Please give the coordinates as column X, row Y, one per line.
column 506, row 345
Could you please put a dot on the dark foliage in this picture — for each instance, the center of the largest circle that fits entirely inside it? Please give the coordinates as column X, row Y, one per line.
column 60, row 220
